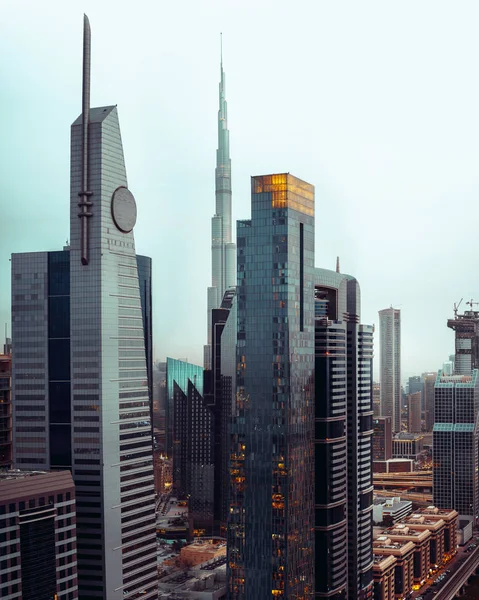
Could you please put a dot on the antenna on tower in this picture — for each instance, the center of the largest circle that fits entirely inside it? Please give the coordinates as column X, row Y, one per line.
column 337, row 265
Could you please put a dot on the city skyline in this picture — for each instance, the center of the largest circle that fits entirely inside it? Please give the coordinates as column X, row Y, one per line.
column 356, row 146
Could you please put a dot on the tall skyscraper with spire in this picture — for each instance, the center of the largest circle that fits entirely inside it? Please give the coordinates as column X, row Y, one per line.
column 89, row 397
column 223, row 250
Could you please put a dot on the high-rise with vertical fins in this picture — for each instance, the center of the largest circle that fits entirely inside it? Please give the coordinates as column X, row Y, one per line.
column 87, row 408
column 223, row 250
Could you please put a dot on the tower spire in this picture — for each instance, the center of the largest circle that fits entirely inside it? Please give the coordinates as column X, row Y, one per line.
column 337, row 265
column 85, row 203
column 223, row 250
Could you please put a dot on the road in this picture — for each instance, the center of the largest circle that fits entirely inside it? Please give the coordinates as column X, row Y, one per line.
column 442, row 591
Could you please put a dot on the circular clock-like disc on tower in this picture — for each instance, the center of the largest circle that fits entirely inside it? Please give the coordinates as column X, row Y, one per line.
column 123, row 209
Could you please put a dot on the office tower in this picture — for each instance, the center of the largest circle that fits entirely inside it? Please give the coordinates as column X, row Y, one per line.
column 79, row 341
column 223, row 250
column 466, row 327
column 382, row 438
column 429, row 382
column 376, row 399
column 455, row 443
column 414, row 412
column 5, row 411
column 416, row 384
column 343, row 431
column 192, row 441
column 448, row 368
column 390, row 365
column 270, row 551
column 38, row 534
column 218, row 391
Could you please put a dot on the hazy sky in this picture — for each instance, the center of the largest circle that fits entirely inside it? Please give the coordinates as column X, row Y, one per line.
column 375, row 103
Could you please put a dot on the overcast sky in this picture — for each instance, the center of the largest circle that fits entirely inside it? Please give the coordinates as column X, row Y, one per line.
column 373, row 102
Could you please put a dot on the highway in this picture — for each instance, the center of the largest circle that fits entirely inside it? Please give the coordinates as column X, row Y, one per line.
column 460, row 568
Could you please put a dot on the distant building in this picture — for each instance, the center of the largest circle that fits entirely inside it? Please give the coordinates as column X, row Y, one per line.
column 223, row 249
column 390, row 365
column 429, row 382
column 416, row 384
column 466, row 327
column 5, row 411
column 382, row 438
column 414, row 412
column 393, row 465
column 455, row 443
column 407, row 445
column 376, row 399
column 395, row 508
column 38, row 533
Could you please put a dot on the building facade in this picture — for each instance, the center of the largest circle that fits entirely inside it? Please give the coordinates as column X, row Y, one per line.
column 5, row 411
column 80, row 377
column 223, row 250
column 414, row 412
column 455, row 443
column 382, row 438
column 343, row 440
column 429, row 383
column 390, row 365
column 270, row 545
column 38, row 543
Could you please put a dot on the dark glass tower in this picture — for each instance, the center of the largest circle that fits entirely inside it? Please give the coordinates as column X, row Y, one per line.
column 270, row 545
column 343, row 434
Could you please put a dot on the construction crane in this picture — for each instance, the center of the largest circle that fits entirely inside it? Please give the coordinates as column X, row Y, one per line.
column 471, row 302
column 456, row 306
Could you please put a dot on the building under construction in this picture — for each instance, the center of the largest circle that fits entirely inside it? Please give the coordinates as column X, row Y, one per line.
column 466, row 327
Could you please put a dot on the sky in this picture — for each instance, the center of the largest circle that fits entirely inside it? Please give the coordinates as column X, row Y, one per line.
column 375, row 103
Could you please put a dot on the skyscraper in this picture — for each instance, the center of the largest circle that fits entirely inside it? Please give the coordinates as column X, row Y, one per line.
column 5, row 411
column 414, row 412
column 455, row 443
column 80, row 341
column 382, row 438
column 270, row 549
column 466, row 326
column 429, row 382
column 223, row 250
column 343, row 432
column 390, row 365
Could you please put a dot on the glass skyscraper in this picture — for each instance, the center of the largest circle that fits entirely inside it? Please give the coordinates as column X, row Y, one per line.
column 270, row 541
column 80, row 380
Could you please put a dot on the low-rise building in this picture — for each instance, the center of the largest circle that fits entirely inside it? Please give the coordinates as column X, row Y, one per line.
column 393, row 465
column 403, row 551
column 422, row 548
column 395, row 508
column 407, row 445
column 451, row 520
column 383, row 575
column 202, row 551
column 436, row 527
